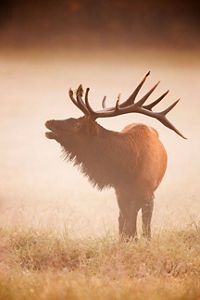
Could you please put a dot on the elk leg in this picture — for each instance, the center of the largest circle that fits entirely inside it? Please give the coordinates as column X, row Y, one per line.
column 128, row 213
column 147, row 210
column 121, row 221
column 128, row 221
column 131, row 221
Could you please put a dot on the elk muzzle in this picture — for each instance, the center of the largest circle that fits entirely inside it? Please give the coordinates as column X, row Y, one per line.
column 51, row 126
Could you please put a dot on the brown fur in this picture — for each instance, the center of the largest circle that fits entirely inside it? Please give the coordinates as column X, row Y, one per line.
column 132, row 161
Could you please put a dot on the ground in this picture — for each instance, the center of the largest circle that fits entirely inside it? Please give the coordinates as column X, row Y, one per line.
column 38, row 264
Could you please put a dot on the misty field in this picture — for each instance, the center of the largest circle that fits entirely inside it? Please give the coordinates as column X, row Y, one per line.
column 36, row 264
column 58, row 235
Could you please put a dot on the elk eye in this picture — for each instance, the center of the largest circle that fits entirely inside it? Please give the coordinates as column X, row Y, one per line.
column 77, row 125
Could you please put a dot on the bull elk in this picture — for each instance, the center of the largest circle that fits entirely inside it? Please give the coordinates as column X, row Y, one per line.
column 132, row 161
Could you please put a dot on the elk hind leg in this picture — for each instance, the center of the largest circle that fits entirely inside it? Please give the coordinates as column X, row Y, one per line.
column 121, row 221
column 147, row 210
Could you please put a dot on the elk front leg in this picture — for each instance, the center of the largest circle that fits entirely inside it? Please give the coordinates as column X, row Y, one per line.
column 147, row 210
column 128, row 220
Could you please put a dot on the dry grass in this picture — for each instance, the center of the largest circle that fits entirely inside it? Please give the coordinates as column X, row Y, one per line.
column 51, row 265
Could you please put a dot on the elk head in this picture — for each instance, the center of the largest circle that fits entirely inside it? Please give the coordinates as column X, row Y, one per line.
column 70, row 131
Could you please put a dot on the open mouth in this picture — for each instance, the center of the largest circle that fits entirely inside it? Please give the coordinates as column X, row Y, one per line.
column 50, row 134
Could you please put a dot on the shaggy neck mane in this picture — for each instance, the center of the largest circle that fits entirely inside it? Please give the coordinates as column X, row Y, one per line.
column 100, row 158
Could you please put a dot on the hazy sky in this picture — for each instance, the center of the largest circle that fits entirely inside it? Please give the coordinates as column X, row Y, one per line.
column 125, row 23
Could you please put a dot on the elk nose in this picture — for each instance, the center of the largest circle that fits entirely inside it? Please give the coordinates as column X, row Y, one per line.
column 49, row 123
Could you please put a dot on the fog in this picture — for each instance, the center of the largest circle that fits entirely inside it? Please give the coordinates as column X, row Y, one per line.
column 39, row 189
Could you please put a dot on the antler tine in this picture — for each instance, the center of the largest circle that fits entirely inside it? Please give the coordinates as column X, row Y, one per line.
column 145, row 97
column 154, row 103
column 71, row 95
column 132, row 97
column 92, row 113
column 164, row 112
column 104, row 102
column 117, row 106
column 161, row 117
column 79, row 94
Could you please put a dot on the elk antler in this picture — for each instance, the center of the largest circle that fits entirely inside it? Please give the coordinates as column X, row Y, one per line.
column 78, row 101
column 128, row 106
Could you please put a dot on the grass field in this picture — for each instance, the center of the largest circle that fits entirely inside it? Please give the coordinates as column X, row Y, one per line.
column 36, row 264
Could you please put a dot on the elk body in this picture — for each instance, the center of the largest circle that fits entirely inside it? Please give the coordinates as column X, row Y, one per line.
column 132, row 161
